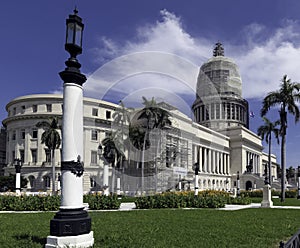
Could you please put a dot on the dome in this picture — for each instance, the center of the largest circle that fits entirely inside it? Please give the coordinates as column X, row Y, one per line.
column 219, row 75
column 219, row 103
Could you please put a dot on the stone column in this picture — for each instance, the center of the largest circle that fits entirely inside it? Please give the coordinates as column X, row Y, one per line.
column 200, row 159
column 205, row 159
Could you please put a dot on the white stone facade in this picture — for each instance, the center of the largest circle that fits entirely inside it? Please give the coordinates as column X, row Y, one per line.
column 220, row 155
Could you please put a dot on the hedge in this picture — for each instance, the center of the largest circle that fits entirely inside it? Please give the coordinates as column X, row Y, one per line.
column 205, row 199
column 52, row 203
column 259, row 193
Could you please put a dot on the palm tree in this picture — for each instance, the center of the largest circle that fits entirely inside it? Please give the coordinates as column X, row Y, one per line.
column 265, row 131
column 51, row 138
column 112, row 152
column 121, row 118
column 286, row 97
column 136, row 138
column 155, row 117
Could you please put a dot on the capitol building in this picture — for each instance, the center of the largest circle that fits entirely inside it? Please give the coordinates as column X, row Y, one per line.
column 217, row 138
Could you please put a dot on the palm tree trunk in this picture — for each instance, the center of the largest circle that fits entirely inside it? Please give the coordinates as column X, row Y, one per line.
column 283, row 172
column 143, row 163
column 269, row 160
column 113, row 180
column 53, row 171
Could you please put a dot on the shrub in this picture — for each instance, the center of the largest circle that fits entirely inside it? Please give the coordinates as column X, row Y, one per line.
column 29, row 203
column 101, row 202
column 52, row 203
column 205, row 199
column 259, row 193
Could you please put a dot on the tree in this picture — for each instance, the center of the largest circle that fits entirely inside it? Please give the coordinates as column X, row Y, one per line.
column 290, row 173
column 286, row 98
column 265, row 131
column 51, row 138
column 136, row 138
column 8, row 183
column 112, row 152
column 121, row 118
column 154, row 117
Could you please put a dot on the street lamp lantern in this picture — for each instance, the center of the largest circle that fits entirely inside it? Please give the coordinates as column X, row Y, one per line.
column 18, row 165
column 74, row 34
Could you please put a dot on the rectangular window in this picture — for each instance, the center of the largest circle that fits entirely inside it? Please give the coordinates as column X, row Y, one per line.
column 94, row 134
column 217, row 111
column 93, row 157
column 14, row 135
column 23, row 134
column 14, row 111
column 34, row 155
column 48, row 155
column 49, row 107
column 212, row 111
column 233, row 111
column 34, row 108
column 23, row 109
column 34, row 133
column 206, row 113
column 108, row 114
column 228, row 111
column 94, row 112
column 13, row 155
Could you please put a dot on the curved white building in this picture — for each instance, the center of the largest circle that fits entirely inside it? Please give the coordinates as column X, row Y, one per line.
column 219, row 140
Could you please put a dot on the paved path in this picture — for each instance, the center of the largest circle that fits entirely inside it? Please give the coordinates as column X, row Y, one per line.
column 125, row 206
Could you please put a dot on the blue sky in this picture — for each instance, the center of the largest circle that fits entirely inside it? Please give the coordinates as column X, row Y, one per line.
column 262, row 37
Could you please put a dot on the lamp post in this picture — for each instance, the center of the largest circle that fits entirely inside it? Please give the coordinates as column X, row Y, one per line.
column 196, row 169
column 71, row 226
column 18, row 166
column 298, row 175
column 105, row 171
column 238, row 183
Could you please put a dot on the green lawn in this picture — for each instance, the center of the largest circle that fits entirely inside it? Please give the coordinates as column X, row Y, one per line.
column 163, row 228
column 277, row 202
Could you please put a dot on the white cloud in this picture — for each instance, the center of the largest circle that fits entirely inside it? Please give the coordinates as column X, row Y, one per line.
column 174, row 56
column 162, row 56
column 263, row 64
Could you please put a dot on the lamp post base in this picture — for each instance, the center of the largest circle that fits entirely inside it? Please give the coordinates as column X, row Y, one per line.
column 267, row 201
column 70, row 228
column 70, row 222
column 82, row 241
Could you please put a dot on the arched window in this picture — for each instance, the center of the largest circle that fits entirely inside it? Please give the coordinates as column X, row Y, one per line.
column 31, row 181
column 93, row 182
column 47, row 181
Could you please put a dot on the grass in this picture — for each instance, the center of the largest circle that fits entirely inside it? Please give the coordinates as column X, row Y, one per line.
column 277, row 202
column 163, row 228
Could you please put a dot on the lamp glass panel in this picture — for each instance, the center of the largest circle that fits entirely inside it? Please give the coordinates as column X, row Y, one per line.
column 78, row 35
column 70, row 33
